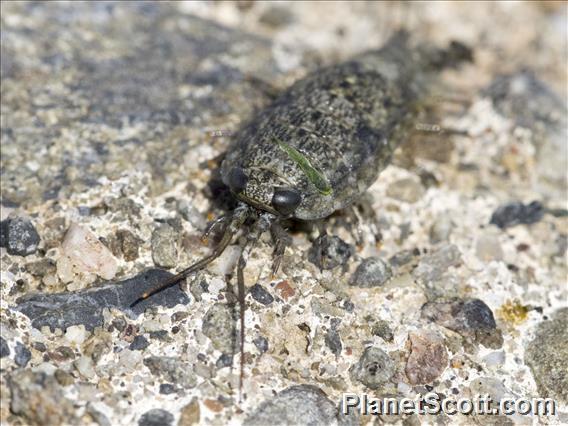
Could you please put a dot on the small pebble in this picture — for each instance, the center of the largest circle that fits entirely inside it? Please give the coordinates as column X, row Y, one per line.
column 494, row 359
column 4, row 349
column 261, row 344
column 19, row 236
column 87, row 254
column 382, row 329
column 63, row 377
column 371, row 272
column 198, row 286
column 85, row 367
column 129, row 360
column 489, row 386
column 164, row 250
column 302, row 404
column 172, row 370
column 469, row 317
column 374, row 368
column 139, row 343
column 129, row 244
column 406, row 189
column 348, row 305
column 167, row 388
column 328, row 252
column 441, row 228
column 333, row 341
column 41, row 267
column 39, row 346
column 192, row 215
column 156, row 417
column 76, row 334
column 161, row 335
column 62, row 353
column 190, row 414
column 403, row 257
column 428, row 357
column 435, row 264
column 219, row 326
column 261, row 295
column 179, row 315
column 22, row 355
column 84, row 210
column 225, row 360
column 99, row 418
column 517, row 213
column 119, row 323
column 547, row 356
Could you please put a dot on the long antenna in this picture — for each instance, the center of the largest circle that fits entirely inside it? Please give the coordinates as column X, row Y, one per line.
column 263, row 223
column 238, row 217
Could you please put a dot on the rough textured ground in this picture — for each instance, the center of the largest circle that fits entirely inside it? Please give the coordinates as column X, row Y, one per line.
column 112, row 117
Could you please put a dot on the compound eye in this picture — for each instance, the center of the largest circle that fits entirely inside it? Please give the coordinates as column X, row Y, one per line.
column 285, row 201
column 237, row 180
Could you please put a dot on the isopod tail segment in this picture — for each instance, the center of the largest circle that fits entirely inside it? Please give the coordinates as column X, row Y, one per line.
column 233, row 224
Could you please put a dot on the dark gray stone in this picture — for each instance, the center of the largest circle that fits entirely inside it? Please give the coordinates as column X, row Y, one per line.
column 471, row 318
column 261, row 295
column 328, row 252
column 522, row 97
column 547, row 356
column 261, row 344
column 19, row 236
column 139, row 344
column 403, row 257
column 161, row 335
column 371, row 272
column 156, row 417
column 4, row 349
column 225, row 360
column 517, row 213
column 333, row 339
column 374, row 368
column 348, row 305
column 22, row 355
column 167, row 388
column 39, row 346
column 303, row 404
column 85, row 307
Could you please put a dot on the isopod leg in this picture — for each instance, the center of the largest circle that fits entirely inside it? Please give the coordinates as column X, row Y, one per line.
column 281, row 240
column 220, row 221
column 362, row 212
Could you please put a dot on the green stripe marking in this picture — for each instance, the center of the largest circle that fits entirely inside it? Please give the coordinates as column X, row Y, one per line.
column 313, row 175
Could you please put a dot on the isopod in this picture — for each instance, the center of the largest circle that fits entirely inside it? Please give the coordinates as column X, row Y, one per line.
column 321, row 144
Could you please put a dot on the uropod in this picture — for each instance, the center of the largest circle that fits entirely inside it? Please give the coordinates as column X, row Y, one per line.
column 321, row 144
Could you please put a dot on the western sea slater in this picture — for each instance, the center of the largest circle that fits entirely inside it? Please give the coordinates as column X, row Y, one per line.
column 320, row 145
